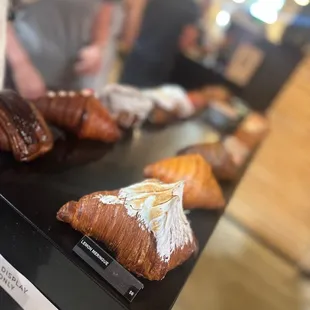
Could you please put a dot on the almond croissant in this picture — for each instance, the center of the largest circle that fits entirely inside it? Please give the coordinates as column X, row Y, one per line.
column 23, row 130
column 144, row 224
column 216, row 155
column 201, row 189
column 80, row 113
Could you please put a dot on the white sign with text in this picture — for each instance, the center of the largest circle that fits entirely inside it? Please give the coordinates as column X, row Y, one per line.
column 21, row 289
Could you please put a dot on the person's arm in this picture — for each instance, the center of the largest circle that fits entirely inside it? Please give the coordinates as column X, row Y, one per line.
column 102, row 24
column 15, row 53
column 90, row 57
column 28, row 80
column 134, row 14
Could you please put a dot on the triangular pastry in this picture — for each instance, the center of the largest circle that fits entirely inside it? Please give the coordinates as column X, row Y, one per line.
column 144, row 224
column 217, row 156
column 201, row 189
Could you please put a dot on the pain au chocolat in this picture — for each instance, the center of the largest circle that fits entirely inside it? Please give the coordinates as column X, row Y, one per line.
column 144, row 224
column 23, row 130
column 201, row 188
column 80, row 113
column 217, row 156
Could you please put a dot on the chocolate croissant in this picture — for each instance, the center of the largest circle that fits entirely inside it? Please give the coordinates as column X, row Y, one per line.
column 144, row 224
column 23, row 130
column 216, row 155
column 201, row 189
column 80, row 113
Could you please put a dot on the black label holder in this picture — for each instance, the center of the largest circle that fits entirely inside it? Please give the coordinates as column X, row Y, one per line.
column 108, row 268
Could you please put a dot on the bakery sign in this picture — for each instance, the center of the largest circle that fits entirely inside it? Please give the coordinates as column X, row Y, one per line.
column 21, row 289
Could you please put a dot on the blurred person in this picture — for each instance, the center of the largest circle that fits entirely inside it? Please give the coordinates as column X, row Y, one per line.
column 167, row 28
column 57, row 44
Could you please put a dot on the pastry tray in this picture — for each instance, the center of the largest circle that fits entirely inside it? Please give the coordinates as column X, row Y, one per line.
column 41, row 248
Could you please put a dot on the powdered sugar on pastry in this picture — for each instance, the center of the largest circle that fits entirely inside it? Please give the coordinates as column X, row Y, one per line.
column 159, row 208
column 124, row 99
column 171, row 98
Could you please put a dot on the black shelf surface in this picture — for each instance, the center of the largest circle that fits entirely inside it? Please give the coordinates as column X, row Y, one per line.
column 75, row 168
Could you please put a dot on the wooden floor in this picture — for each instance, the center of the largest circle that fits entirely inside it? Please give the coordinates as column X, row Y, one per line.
column 273, row 200
column 237, row 273
column 255, row 254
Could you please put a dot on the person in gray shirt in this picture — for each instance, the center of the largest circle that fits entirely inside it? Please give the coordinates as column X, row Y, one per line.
column 57, row 44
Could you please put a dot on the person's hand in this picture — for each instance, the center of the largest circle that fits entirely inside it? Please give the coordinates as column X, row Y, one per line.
column 90, row 60
column 29, row 81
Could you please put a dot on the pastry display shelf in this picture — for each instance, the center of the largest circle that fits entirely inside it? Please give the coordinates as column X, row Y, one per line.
column 40, row 247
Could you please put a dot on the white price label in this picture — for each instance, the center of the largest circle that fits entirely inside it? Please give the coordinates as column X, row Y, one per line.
column 21, row 289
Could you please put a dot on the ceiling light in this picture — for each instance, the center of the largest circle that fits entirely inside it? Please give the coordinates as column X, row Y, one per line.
column 263, row 13
column 302, row 2
column 223, row 18
column 239, row 1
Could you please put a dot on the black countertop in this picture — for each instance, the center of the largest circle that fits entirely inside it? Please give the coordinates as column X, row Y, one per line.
column 41, row 247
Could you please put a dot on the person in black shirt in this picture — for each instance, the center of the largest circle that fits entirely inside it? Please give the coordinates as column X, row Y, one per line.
column 167, row 26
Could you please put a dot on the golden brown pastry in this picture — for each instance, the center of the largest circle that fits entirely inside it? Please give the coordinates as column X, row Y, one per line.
column 216, row 155
column 144, row 224
column 252, row 130
column 80, row 113
column 23, row 130
column 201, row 189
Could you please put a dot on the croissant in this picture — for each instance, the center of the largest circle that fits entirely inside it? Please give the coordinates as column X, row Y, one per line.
column 22, row 128
column 144, row 224
column 80, row 113
column 201, row 189
column 216, row 155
